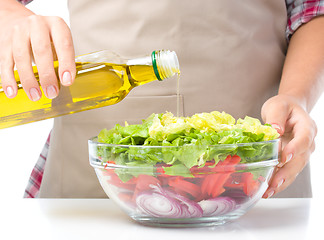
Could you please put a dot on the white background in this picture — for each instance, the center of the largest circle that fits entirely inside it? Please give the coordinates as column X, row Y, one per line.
column 20, row 146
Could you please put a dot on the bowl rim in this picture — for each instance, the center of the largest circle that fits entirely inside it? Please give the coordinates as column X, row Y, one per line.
column 92, row 140
column 240, row 166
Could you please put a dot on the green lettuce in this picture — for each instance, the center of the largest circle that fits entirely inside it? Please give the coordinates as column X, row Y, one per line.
column 184, row 142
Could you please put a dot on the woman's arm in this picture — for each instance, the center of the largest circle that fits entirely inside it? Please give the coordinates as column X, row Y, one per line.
column 302, row 83
column 303, row 72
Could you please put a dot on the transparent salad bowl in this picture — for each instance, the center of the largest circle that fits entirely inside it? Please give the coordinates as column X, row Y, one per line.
column 163, row 194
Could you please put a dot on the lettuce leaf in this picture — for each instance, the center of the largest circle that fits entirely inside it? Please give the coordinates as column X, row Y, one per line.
column 187, row 142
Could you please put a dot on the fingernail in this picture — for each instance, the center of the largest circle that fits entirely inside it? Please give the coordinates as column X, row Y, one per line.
column 277, row 127
column 280, row 165
column 67, row 78
column 34, row 93
column 51, row 92
column 9, row 92
column 280, row 182
column 289, row 157
column 270, row 194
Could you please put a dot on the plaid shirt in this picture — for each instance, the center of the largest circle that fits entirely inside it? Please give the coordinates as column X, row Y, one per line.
column 299, row 12
column 36, row 175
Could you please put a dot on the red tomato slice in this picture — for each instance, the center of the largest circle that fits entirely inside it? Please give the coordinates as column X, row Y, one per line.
column 213, row 184
column 250, row 185
column 145, row 182
column 115, row 180
column 181, row 185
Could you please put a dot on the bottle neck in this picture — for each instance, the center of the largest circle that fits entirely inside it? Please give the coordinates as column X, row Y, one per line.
column 164, row 62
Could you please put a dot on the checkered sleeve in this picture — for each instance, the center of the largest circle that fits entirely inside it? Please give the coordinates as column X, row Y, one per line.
column 25, row 2
column 300, row 12
column 36, row 176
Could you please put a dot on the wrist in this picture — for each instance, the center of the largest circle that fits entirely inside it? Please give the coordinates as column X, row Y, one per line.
column 306, row 97
column 294, row 97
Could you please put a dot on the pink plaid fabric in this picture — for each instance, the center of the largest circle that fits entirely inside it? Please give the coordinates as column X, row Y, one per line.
column 299, row 12
column 36, row 176
column 25, row 1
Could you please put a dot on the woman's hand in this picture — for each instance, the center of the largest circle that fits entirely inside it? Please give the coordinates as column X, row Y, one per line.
column 297, row 130
column 25, row 37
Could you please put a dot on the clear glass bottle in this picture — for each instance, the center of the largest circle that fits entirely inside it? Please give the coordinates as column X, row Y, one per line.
column 103, row 78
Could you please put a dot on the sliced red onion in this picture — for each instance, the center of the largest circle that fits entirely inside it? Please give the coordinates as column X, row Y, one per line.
column 163, row 203
column 158, row 205
column 217, row 206
column 193, row 208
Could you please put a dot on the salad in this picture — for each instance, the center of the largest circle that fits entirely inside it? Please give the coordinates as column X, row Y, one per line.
column 186, row 167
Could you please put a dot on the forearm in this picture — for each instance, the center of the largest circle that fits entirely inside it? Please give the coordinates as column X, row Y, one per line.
column 303, row 72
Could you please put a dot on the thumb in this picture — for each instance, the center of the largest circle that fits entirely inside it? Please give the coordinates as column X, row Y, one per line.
column 275, row 113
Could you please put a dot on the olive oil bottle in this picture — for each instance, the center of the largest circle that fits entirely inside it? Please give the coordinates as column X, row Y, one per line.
column 103, row 78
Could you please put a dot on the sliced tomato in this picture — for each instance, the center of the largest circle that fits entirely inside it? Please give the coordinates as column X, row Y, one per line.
column 115, row 180
column 181, row 185
column 213, row 184
column 250, row 186
column 145, row 182
column 196, row 170
column 234, row 181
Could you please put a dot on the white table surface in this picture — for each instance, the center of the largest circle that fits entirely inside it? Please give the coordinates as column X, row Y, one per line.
column 71, row 219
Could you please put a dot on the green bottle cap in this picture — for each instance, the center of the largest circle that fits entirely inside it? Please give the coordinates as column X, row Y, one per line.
column 156, row 70
column 165, row 64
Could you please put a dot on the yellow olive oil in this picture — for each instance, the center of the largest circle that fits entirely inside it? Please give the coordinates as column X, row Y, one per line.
column 97, row 84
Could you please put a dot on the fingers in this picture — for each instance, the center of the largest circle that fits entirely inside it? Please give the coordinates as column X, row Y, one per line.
column 62, row 40
column 21, row 51
column 43, row 55
column 295, row 156
column 298, row 132
column 8, row 80
column 33, row 38
column 303, row 137
column 286, row 175
column 276, row 114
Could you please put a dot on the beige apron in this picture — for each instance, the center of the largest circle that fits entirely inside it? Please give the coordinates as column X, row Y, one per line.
column 230, row 52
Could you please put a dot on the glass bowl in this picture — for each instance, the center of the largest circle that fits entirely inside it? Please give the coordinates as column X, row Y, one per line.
column 168, row 195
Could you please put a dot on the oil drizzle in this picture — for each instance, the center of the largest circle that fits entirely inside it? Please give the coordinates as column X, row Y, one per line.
column 178, row 94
